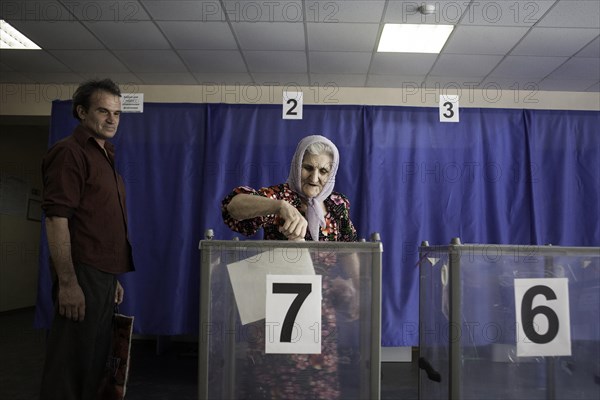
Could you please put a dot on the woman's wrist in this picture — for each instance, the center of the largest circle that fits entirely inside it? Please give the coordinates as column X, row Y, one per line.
column 281, row 206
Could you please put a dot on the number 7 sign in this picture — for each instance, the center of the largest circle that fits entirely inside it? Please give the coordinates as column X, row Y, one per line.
column 293, row 314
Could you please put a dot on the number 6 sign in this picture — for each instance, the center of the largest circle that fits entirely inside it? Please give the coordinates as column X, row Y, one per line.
column 543, row 323
column 293, row 314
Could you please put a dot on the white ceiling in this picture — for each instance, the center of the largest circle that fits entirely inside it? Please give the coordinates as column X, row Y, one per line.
column 512, row 44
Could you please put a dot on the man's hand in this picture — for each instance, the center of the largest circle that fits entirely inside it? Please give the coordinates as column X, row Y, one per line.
column 119, row 293
column 71, row 302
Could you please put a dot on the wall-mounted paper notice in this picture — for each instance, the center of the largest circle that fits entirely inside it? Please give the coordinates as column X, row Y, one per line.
column 249, row 278
column 132, row 102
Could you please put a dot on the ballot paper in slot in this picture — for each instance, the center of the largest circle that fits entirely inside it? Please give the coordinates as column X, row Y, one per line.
column 249, row 276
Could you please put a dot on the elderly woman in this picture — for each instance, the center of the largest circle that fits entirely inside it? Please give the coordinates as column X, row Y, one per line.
column 303, row 208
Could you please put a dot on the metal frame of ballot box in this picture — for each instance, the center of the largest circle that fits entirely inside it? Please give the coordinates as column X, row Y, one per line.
column 223, row 339
column 474, row 320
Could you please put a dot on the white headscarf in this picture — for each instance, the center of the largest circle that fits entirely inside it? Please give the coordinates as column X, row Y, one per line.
column 314, row 212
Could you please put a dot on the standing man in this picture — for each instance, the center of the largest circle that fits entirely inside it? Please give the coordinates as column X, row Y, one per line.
column 86, row 225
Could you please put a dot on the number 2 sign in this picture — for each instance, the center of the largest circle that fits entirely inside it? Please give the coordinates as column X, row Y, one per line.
column 293, row 314
column 292, row 105
column 543, row 323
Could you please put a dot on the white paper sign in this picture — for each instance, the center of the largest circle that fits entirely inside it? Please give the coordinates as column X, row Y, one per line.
column 248, row 277
column 543, row 322
column 292, row 105
column 448, row 108
column 293, row 323
column 132, row 102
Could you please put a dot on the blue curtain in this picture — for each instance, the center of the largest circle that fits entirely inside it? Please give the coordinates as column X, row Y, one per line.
column 498, row 176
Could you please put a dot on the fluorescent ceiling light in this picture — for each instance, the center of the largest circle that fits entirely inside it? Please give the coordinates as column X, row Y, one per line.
column 10, row 38
column 414, row 38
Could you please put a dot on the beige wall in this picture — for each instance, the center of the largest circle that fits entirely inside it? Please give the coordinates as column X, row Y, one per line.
column 22, row 145
column 21, row 150
column 35, row 99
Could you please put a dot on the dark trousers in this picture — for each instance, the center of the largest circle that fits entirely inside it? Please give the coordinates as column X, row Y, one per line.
column 77, row 352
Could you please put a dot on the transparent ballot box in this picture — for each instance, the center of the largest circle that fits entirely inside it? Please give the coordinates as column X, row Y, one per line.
column 509, row 322
column 289, row 320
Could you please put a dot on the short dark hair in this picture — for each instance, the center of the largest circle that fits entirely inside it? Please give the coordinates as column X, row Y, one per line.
column 82, row 95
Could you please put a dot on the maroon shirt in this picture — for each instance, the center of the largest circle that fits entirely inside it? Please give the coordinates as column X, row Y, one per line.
column 81, row 184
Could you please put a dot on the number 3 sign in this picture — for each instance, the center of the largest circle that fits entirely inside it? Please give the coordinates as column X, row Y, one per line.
column 448, row 108
column 543, row 325
column 293, row 314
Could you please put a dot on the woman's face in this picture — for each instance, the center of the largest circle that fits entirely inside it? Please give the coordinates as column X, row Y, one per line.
column 315, row 173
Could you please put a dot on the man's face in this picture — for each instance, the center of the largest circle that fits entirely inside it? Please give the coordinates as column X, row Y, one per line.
column 102, row 118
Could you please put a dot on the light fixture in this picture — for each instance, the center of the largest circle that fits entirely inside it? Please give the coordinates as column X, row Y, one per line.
column 10, row 38
column 413, row 38
column 426, row 9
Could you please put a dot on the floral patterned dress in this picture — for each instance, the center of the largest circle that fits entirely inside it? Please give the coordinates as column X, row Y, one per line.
column 297, row 376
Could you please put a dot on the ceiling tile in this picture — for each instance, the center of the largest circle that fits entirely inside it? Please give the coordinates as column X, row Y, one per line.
column 395, row 81
column 193, row 35
column 176, row 78
column 214, row 61
column 129, row 11
column 448, row 83
column 89, row 60
column 263, row 11
column 328, row 83
column 483, row 39
column 566, row 85
column 527, row 67
column 142, row 35
column 205, row 38
column 506, row 13
column 405, row 12
column 594, row 88
column 276, row 61
column 215, row 81
column 128, row 83
column 191, row 10
column 28, row 10
column 578, row 68
column 344, row 11
column 290, row 82
column 528, row 86
column 554, row 41
column 573, row 14
column 339, row 62
column 269, row 35
column 151, row 60
column 591, row 50
column 464, row 65
column 58, row 35
column 29, row 61
column 408, row 64
column 55, row 78
column 14, row 77
column 342, row 37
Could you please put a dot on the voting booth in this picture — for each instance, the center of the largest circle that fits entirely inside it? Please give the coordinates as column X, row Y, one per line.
column 282, row 319
column 511, row 322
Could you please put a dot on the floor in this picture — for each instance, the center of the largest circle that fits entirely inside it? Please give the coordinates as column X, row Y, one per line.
column 169, row 372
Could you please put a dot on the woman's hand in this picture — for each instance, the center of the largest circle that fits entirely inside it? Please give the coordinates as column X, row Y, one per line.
column 294, row 224
column 345, row 297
